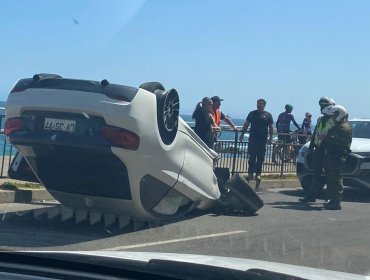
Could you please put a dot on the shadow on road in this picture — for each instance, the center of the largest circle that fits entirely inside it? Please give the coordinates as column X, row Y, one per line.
column 349, row 194
column 292, row 205
column 233, row 214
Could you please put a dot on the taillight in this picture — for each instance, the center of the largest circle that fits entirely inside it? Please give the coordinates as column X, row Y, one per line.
column 14, row 124
column 122, row 138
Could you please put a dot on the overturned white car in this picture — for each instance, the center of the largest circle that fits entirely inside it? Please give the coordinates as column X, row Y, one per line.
column 116, row 149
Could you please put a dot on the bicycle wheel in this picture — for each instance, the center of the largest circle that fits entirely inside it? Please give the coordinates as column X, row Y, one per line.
column 278, row 154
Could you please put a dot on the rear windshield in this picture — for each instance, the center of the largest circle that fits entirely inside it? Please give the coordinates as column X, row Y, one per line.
column 115, row 91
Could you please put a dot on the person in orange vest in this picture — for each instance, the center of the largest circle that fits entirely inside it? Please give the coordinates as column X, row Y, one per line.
column 218, row 116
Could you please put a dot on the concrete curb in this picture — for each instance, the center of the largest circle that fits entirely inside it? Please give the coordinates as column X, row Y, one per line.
column 24, row 196
column 281, row 183
column 7, row 196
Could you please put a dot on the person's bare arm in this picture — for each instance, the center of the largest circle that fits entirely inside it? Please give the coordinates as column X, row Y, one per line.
column 230, row 123
column 271, row 132
column 244, row 129
column 295, row 123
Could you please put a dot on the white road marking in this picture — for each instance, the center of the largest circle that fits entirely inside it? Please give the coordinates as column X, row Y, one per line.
column 333, row 219
column 174, row 240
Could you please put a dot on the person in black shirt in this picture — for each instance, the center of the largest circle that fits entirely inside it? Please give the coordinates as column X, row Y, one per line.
column 261, row 123
column 205, row 126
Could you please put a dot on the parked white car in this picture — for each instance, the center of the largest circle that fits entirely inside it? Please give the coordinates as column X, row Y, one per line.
column 115, row 149
column 357, row 170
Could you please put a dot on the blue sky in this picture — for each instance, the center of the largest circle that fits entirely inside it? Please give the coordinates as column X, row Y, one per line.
column 283, row 51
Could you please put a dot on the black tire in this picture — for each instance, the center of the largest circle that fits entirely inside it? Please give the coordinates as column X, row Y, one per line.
column 250, row 202
column 223, row 175
column 152, row 87
column 168, row 109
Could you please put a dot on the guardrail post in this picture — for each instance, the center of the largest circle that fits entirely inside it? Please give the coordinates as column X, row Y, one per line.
column 4, row 149
column 283, row 159
column 234, row 153
column 282, row 168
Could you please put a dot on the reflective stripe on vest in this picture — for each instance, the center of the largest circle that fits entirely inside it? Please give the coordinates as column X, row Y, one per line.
column 322, row 130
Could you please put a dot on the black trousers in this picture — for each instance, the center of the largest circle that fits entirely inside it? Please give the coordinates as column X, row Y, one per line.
column 256, row 151
column 317, row 166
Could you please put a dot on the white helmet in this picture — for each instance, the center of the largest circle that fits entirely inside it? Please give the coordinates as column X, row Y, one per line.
column 308, row 114
column 326, row 101
column 336, row 110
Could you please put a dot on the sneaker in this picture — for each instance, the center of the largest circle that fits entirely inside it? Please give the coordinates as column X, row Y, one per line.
column 258, row 182
column 331, row 205
column 307, row 199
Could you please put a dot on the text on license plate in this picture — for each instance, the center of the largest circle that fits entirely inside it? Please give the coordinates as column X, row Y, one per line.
column 59, row 124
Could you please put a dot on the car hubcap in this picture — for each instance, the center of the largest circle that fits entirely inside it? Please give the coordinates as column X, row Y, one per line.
column 171, row 110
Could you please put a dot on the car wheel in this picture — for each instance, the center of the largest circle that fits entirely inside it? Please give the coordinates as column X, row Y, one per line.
column 168, row 108
column 152, row 87
column 247, row 200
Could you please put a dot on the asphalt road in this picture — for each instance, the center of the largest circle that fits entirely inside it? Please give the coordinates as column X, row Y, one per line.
column 283, row 231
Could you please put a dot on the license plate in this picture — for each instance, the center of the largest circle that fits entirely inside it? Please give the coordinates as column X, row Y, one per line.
column 59, row 125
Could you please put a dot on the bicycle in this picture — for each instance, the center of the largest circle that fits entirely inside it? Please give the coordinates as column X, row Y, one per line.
column 286, row 152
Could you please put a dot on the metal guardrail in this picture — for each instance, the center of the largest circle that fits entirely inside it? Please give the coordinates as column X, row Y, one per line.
column 8, row 151
column 280, row 157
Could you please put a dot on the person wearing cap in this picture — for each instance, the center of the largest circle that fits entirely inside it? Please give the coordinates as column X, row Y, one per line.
column 305, row 128
column 283, row 127
column 218, row 116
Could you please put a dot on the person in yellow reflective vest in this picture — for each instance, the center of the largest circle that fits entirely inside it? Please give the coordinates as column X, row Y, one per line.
column 323, row 125
column 336, row 146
